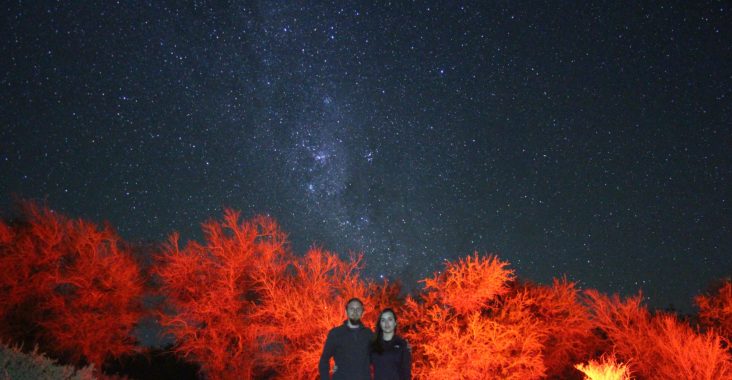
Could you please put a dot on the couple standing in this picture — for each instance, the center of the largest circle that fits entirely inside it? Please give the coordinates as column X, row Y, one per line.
column 354, row 347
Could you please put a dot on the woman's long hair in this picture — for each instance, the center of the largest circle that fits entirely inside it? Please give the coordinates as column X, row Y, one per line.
column 377, row 345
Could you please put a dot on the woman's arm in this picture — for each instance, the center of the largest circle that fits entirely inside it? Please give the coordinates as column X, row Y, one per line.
column 406, row 365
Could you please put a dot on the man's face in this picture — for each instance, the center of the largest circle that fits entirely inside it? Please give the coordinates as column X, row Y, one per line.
column 354, row 310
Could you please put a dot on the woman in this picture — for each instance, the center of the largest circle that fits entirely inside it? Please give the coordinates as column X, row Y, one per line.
column 391, row 356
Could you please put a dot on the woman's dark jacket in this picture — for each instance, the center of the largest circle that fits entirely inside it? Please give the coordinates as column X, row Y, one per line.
column 395, row 363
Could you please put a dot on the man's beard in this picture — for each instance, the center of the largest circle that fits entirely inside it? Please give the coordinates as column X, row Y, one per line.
column 354, row 321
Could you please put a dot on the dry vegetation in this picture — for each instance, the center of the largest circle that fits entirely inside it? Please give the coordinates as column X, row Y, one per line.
column 240, row 304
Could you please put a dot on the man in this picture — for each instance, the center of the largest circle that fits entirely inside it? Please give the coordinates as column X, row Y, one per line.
column 349, row 345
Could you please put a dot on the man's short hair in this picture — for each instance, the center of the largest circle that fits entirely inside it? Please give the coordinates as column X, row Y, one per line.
column 353, row 299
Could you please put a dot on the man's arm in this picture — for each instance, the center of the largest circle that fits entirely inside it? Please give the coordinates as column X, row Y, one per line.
column 328, row 351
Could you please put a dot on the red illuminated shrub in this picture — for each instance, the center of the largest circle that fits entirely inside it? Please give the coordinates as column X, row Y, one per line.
column 715, row 309
column 68, row 286
column 213, row 295
column 461, row 328
column 659, row 346
column 471, row 283
column 567, row 333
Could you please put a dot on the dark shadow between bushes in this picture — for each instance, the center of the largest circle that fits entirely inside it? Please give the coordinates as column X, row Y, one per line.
column 155, row 364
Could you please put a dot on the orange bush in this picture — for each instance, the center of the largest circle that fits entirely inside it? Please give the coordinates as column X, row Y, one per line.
column 30, row 250
column 565, row 324
column 461, row 329
column 471, row 283
column 715, row 309
column 658, row 346
column 212, row 293
column 68, row 286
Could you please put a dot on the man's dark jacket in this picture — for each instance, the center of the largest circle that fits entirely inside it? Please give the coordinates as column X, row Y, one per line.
column 350, row 349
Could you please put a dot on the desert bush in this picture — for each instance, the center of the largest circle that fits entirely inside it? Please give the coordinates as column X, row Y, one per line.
column 211, row 293
column 69, row 286
column 471, row 283
column 461, row 328
column 567, row 334
column 715, row 309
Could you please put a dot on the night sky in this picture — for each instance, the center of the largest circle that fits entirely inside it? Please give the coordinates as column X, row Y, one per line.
column 587, row 139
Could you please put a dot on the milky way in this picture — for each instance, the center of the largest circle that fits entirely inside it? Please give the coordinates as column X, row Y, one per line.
column 587, row 140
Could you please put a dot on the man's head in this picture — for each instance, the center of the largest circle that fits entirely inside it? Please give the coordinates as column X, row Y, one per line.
column 354, row 310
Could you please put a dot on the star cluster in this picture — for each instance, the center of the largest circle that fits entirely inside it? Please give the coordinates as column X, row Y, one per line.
column 588, row 139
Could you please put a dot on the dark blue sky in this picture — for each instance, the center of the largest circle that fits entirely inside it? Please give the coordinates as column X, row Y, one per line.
column 587, row 139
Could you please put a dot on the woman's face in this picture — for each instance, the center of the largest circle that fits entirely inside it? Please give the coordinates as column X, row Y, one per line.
column 387, row 322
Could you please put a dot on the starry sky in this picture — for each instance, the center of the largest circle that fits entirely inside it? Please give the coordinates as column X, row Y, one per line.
column 587, row 139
